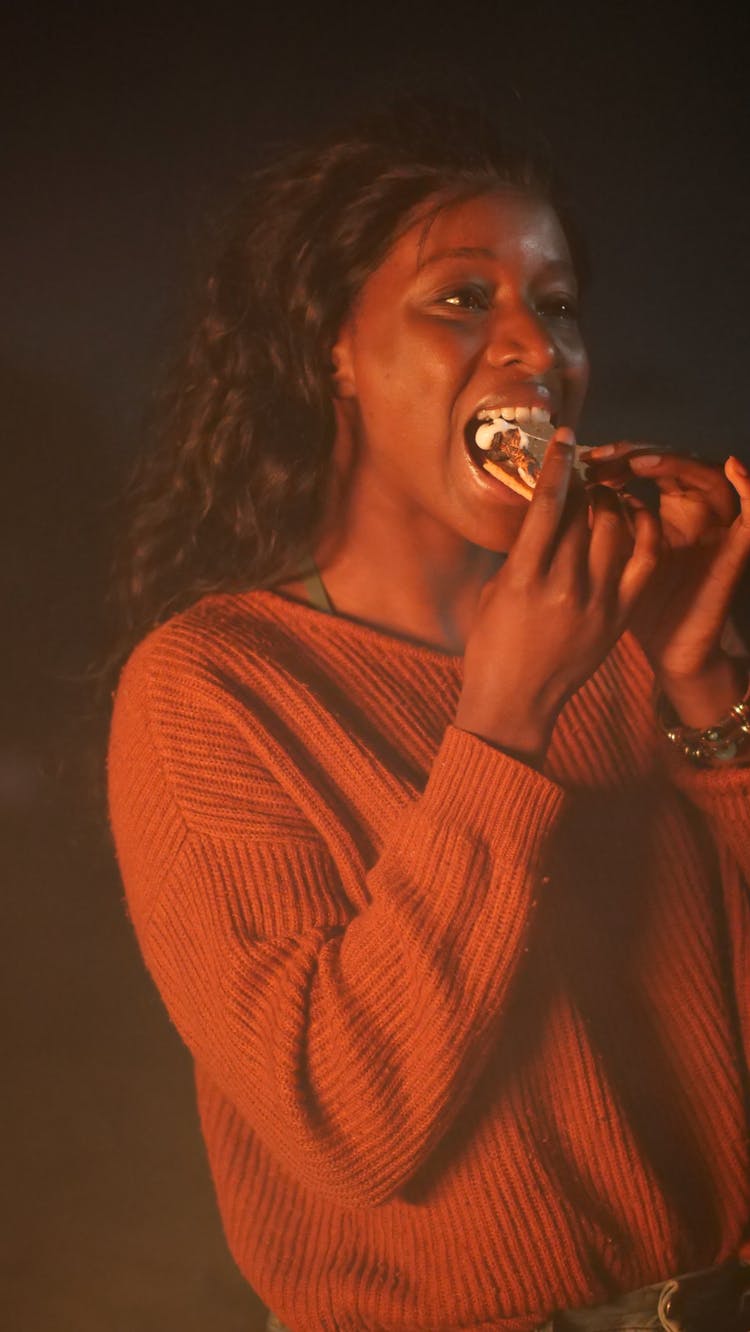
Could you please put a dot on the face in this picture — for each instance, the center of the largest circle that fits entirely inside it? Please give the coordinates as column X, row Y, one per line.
column 476, row 309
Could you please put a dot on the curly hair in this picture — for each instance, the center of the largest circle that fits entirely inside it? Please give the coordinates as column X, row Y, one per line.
column 232, row 493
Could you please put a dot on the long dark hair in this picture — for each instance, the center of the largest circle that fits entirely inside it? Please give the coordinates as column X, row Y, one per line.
column 231, row 492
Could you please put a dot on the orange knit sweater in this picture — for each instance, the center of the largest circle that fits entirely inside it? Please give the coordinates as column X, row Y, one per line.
column 468, row 1038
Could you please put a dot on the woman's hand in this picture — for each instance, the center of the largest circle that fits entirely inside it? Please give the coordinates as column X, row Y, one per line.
column 682, row 615
column 552, row 613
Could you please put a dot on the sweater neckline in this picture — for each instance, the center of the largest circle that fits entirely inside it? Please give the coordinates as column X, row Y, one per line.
column 347, row 623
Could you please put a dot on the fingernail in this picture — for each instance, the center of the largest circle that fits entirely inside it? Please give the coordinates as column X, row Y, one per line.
column 601, row 451
column 740, row 466
column 565, row 437
column 645, row 462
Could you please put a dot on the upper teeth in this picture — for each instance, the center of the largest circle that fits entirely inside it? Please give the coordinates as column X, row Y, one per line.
column 519, row 414
column 502, row 419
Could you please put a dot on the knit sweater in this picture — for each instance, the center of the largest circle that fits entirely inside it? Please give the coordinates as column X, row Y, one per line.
column 470, row 1039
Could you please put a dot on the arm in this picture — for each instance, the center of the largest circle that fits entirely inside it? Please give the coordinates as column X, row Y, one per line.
column 348, row 1043
column 724, row 797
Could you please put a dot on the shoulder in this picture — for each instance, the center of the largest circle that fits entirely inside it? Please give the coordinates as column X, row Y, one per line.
column 224, row 646
column 195, row 721
column 206, row 638
column 181, row 684
column 233, row 669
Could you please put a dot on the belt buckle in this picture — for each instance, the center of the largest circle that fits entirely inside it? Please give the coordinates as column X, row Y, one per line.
column 718, row 1298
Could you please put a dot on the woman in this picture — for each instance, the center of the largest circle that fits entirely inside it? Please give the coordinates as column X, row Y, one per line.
column 456, row 933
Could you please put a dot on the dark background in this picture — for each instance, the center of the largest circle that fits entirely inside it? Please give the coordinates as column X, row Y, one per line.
column 122, row 129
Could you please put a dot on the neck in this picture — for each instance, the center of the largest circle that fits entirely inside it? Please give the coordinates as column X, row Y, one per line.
column 412, row 578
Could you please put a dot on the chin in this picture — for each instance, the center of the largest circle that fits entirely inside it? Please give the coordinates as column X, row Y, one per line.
column 497, row 531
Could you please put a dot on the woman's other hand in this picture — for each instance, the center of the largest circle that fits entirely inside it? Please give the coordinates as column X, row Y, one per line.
column 682, row 616
column 548, row 618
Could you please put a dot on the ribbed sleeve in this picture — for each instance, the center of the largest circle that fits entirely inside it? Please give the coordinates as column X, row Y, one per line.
column 350, row 1048
column 724, row 796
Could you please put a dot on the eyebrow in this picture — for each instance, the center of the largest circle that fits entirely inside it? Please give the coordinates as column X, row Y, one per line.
column 560, row 266
column 460, row 252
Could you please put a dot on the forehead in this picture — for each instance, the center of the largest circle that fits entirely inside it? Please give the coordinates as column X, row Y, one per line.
column 509, row 225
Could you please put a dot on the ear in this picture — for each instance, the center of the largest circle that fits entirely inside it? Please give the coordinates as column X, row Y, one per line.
column 342, row 359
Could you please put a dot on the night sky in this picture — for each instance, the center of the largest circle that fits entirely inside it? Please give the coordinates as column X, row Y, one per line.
column 124, row 127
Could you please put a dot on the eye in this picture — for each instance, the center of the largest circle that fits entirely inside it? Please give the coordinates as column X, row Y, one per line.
column 465, row 298
column 559, row 306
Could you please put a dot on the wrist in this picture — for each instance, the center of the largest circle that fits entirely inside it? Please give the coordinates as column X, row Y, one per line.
column 704, row 697
column 724, row 743
column 524, row 739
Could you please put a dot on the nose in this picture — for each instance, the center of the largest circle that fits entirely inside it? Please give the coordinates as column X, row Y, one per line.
column 519, row 336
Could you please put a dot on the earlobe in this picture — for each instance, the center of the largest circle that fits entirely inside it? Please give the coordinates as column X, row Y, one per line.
column 343, row 370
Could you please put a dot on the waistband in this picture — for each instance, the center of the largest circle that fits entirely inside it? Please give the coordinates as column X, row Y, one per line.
column 716, row 1299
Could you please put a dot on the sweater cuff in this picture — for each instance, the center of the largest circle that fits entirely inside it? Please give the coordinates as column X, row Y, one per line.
column 504, row 803
column 723, row 794
column 720, row 787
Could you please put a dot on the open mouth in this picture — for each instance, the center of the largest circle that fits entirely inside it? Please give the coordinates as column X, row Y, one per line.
column 509, row 443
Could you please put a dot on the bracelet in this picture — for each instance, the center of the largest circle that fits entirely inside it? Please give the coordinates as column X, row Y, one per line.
column 727, row 743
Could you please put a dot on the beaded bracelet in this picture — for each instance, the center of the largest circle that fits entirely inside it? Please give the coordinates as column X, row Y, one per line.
column 725, row 744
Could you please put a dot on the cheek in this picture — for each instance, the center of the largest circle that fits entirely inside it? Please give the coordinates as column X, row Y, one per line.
column 576, row 367
column 581, row 372
column 410, row 370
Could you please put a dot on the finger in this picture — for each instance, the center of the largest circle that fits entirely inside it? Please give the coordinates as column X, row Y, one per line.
column 626, row 448
column 738, row 476
column 621, row 449
column 614, row 464
column 608, row 464
column 713, row 599
column 539, row 531
column 569, row 556
column 643, row 562
column 736, row 549
column 631, row 504
column 611, row 542
column 676, row 474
